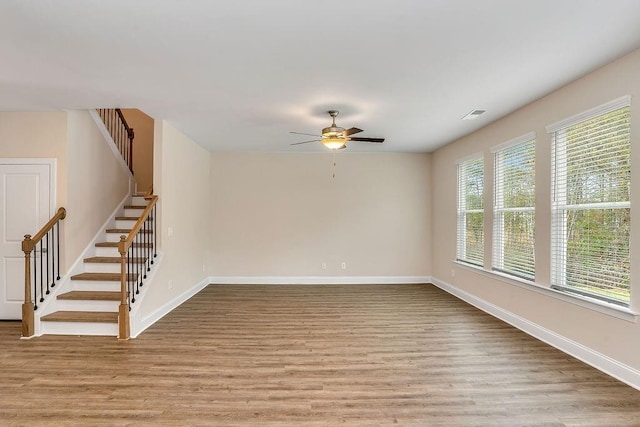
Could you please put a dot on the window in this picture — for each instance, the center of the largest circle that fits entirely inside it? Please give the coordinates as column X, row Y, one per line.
column 514, row 197
column 470, row 236
column 591, row 203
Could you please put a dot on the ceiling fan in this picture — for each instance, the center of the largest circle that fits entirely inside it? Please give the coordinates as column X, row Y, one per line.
column 334, row 137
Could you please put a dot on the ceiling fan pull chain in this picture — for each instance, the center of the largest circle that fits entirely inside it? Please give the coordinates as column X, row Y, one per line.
column 334, row 164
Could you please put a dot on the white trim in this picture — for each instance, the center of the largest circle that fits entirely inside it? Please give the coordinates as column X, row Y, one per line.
column 317, row 280
column 613, row 310
column 474, row 156
column 139, row 325
column 531, row 136
column 110, row 142
column 623, row 101
column 609, row 366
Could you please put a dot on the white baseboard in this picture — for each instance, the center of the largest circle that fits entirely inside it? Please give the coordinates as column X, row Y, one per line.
column 139, row 325
column 317, row 280
column 609, row 366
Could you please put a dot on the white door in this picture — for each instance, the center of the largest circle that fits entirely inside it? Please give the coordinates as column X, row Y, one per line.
column 25, row 191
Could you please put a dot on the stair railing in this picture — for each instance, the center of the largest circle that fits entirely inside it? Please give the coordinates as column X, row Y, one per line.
column 120, row 131
column 46, row 268
column 137, row 253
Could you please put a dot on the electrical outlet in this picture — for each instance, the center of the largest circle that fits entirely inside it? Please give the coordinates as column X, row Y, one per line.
column 453, row 272
column 323, row 265
column 169, row 231
column 204, row 268
column 343, row 265
column 170, row 284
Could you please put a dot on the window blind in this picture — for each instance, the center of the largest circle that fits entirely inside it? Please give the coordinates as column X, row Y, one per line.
column 591, row 206
column 514, row 209
column 470, row 234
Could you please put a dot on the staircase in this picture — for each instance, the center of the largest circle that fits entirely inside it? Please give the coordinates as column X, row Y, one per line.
column 90, row 304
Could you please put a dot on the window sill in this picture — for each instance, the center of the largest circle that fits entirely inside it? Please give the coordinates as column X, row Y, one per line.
column 603, row 307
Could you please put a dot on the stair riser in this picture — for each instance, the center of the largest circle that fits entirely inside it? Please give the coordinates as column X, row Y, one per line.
column 88, row 285
column 133, row 212
column 98, row 267
column 121, row 223
column 138, row 200
column 86, row 305
column 115, row 237
column 79, row 328
column 101, row 267
column 107, row 252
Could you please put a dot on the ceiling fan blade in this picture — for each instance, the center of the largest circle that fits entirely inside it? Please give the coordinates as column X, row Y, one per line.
column 308, row 134
column 352, row 131
column 367, row 139
column 305, row 142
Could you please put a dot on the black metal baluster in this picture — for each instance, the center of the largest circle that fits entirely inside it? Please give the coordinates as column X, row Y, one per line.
column 147, row 240
column 47, row 249
column 130, row 267
column 53, row 258
column 41, row 275
column 155, row 232
column 58, row 250
column 35, row 281
column 138, row 265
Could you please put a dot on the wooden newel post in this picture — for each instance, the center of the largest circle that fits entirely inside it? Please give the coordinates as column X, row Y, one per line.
column 28, row 306
column 123, row 312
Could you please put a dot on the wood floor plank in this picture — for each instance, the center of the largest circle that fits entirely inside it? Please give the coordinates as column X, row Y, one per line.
column 325, row 355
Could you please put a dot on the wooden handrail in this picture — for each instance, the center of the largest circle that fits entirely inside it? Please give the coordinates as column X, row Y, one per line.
column 124, row 121
column 28, row 244
column 120, row 131
column 124, row 246
column 130, row 134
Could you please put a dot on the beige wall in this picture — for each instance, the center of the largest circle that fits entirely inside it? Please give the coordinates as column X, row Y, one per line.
column 38, row 135
column 618, row 339
column 142, row 147
column 182, row 182
column 96, row 183
column 283, row 214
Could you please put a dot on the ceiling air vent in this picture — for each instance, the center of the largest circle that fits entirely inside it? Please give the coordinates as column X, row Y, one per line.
column 474, row 115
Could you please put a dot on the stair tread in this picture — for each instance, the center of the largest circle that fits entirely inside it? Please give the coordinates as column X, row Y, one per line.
column 81, row 316
column 115, row 244
column 90, row 295
column 135, row 206
column 127, row 218
column 110, row 260
column 106, row 277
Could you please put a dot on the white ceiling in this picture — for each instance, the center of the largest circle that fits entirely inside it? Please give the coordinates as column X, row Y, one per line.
column 239, row 75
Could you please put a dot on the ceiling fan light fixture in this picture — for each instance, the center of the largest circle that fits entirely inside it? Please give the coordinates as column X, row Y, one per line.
column 333, row 143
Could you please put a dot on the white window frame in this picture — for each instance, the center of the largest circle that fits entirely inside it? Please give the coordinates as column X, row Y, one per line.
column 559, row 196
column 461, row 221
column 499, row 209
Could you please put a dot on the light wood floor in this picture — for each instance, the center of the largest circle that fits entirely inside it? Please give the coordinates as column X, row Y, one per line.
column 408, row 355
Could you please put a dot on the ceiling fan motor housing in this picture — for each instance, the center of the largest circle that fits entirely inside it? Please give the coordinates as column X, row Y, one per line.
column 333, row 132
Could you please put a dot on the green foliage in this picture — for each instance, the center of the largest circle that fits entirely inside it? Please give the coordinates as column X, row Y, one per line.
column 598, row 163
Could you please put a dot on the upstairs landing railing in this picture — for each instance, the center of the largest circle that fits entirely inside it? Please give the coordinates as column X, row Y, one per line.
column 138, row 251
column 120, row 131
column 45, row 265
